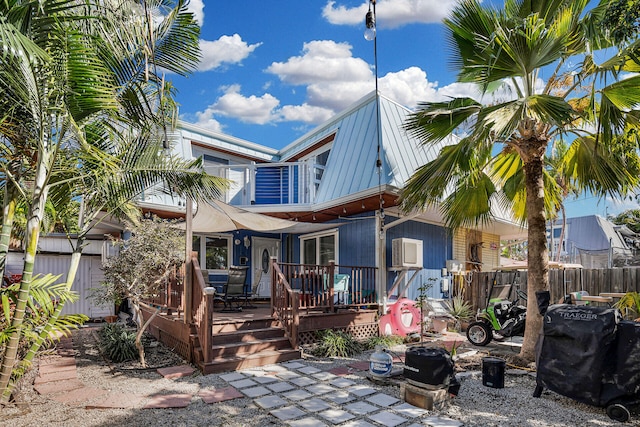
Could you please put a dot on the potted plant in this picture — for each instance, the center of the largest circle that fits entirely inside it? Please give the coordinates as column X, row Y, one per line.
column 460, row 310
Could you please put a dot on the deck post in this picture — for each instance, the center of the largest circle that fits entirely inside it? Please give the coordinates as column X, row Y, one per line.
column 188, row 265
column 330, row 282
column 208, row 327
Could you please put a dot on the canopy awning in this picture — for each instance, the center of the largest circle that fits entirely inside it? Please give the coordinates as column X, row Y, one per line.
column 215, row 217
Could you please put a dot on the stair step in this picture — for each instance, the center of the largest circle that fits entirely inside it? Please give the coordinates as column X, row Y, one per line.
column 252, row 360
column 247, row 335
column 249, row 347
column 244, row 325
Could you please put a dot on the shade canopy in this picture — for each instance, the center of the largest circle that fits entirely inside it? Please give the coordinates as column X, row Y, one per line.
column 215, row 216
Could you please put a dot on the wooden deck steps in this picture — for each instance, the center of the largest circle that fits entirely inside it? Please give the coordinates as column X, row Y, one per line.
column 247, row 343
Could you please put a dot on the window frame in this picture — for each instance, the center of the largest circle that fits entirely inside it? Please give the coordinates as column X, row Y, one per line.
column 202, row 251
column 317, row 236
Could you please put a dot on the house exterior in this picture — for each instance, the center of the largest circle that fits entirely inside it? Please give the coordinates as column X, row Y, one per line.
column 594, row 242
column 349, row 172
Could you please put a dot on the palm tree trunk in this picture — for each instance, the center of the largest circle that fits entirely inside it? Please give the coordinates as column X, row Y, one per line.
column 538, row 257
column 33, row 233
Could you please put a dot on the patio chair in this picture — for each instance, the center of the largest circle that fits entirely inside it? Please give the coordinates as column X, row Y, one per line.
column 252, row 293
column 234, row 292
column 340, row 287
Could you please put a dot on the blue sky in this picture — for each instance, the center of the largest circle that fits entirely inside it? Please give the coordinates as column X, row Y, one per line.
column 273, row 70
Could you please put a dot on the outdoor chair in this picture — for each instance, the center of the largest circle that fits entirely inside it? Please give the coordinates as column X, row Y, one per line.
column 252, row 293
column 340, row 288
column 234, row 293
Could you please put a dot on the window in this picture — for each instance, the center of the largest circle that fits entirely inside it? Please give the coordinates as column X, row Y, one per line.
column 214, row 252
column 319, row 248
column 319, row 164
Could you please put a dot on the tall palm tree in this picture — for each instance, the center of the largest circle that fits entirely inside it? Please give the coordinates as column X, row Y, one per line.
column 82, row 75
column 499, row 160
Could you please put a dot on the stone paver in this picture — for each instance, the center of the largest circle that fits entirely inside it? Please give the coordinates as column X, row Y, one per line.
column 233, row 376
column 340, row 397
column 173, row 372
column 219, row 395
column 309, row 370
column 294, row 365
column 314, row 405
column 387, row 419
column 336, row 416
column 303, row 381
column 361, row 408
column 409, row 410
column 56, row 376
column 359, row 423
column 288, row 413
column 280, row 387
column 324, row 376
column 297, row 395
column 79, row 395
column 287, row 375
column 382, row 399
column 256, row 391
column 160, row 401
column 307, row 422
column 362, row 390
column 243, row 383
column 359, row 366
column 441, row 422
column 265, row 379
column 54, row 387
column 342, row 383
column 270, row 402
column 320, row 389
column 340, row 370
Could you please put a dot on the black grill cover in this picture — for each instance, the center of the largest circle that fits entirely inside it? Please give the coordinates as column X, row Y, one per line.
column 627, row 375
column 576, row 349
column 432, row 366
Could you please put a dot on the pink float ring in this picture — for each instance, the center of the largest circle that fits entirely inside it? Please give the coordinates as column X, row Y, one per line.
column 402, row 310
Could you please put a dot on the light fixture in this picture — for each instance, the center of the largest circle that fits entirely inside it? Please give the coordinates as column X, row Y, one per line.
column 314, row 217
column 370, row 22
column 344, row 210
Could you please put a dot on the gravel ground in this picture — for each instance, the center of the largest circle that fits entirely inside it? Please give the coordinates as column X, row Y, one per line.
column 475, row 405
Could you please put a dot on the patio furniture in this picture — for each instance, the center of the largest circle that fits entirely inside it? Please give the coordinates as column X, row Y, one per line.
column 252, row 293
column 234, row 293
column 340, row 288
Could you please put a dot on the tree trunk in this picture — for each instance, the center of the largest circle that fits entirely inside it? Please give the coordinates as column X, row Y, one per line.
column 538, row 257
column 36, row 212
column 564, row 227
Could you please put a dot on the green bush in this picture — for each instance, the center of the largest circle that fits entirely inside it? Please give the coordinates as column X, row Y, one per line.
column 336, row 344
column 118, row 342
column 386, row 341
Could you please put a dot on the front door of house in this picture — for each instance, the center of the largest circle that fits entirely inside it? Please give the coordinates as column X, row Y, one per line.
column 263, row 250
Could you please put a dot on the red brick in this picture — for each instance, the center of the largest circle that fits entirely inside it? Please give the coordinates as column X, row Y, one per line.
column 159, row 401
column 219, row 395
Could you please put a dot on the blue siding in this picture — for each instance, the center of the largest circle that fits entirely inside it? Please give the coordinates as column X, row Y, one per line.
column 357, row 246
column 437, row 248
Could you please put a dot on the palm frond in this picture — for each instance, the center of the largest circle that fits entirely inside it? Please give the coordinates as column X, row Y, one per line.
column 434, row 121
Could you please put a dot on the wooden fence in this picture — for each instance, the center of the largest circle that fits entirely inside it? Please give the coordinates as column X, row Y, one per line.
column 561, row 282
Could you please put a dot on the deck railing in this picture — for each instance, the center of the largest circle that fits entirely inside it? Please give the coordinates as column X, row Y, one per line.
column 169, row 296
column 202, row 310
column 332, row 286
column 285, row 302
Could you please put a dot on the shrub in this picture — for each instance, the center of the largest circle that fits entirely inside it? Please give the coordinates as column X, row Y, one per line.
column 118, row 342
column 386, row 341
column 336, row 344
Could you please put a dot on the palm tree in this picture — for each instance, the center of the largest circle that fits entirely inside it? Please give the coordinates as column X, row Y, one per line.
column 82, row 77
column 499, row 160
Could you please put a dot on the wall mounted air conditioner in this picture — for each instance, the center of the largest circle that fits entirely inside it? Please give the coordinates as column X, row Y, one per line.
column 406, row 253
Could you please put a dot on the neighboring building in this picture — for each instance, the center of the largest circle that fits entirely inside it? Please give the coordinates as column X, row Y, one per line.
column 594, row 242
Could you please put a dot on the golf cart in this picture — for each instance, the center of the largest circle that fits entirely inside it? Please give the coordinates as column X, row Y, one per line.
column 502, row 317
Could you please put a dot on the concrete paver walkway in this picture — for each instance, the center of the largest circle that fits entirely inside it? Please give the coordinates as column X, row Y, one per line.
column 294, row 392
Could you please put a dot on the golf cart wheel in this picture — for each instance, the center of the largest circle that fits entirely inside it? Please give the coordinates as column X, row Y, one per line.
column 479, row 333
column 618, row 412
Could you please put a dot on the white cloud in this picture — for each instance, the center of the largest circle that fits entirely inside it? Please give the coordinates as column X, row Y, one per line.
column 205, row 119
column 322, row 61
column 225, row 50
column 252, row 109
column 306, row 113
column 391, row 13
column 408, row 87
column 197, row 8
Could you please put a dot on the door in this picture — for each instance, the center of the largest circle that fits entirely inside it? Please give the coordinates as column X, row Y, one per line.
column 263, row 250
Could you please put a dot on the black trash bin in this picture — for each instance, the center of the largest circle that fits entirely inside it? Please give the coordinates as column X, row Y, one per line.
column 493, row 372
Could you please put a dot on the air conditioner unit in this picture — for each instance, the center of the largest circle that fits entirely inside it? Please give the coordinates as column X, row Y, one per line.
column 406, row 253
